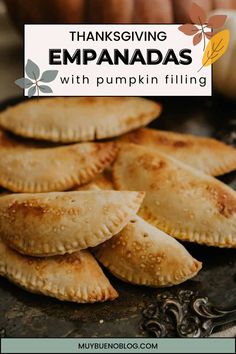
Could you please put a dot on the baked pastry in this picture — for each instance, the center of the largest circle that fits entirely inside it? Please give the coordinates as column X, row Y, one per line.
column 206, row 154
column 142, row 254
column 180, row 200
column 28, row 168
column 75, row 119
column 76, row 277
column 47, row 224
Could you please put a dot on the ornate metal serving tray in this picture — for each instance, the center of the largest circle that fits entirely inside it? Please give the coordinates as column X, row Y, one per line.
column 193, row 309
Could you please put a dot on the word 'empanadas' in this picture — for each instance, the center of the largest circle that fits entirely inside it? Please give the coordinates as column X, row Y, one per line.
column 31, row 169
column 78, row 118
column 141, row 254
column 76, row 277
column 208, row 155
column 57, row 223
column 180, row 200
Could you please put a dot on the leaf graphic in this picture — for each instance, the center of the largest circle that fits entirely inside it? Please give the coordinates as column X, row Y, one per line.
column 45, row 89
column 208, row 34
column 49, row 75
column 32, row 70
column 216, row 21
column 197, row 38
column 24, row 83
column 31, row 91
column 216, row 47
column 197, row 14
column 188, row 29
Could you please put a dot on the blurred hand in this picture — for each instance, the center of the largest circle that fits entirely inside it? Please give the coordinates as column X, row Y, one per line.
column 108, row 11
column 158, row 11
column 181, row 7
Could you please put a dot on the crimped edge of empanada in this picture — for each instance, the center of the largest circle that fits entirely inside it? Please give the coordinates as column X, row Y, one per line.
column 103, row 233
column 101, row 182
column 85, row 176
column 225, row 167
column 188, row 235
column 36, row 285
column 108, row 129
column 165, row 281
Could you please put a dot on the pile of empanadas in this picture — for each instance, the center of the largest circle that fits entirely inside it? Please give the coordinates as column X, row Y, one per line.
column 76, row 189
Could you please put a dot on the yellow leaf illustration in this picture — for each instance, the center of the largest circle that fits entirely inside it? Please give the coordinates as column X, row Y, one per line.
column 216, row 47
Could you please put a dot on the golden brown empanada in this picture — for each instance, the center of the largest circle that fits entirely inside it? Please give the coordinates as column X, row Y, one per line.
column 74, row 119
column 26, row 168
column 206, row 154
column 180, row 200
column 76, row 277
column 57, row 223
column 141, row 254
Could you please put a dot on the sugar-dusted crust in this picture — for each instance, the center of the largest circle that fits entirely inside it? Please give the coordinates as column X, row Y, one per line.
column 78, row 118
column 57, row 223
column 29, row 170
column 206, row 154
column 142, row 254
column 76, row 277
column 180, row 200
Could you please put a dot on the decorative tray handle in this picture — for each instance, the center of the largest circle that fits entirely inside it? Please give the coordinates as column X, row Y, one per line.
column 184, row 315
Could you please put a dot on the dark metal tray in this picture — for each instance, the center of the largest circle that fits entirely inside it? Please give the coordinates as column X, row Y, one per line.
column 27, row 315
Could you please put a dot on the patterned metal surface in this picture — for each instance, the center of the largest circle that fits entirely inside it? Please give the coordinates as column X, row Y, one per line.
column 184, row 314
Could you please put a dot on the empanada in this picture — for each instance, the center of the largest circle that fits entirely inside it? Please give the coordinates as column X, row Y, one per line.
column 180, row 200
column 75, row 119
column 206, row 154
column 31, row 169
column 76, row 277
column 141, row 254
column 57, row 223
